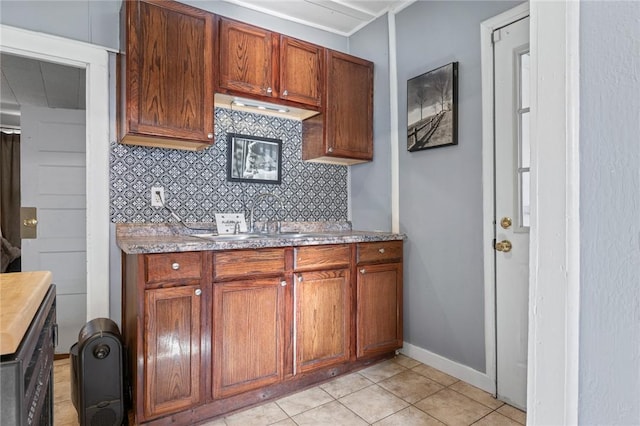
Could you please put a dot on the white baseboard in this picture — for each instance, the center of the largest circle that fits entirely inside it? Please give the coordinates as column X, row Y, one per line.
column 452, row 368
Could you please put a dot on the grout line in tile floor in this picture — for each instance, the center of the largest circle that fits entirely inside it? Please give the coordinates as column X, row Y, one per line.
column 400, row 391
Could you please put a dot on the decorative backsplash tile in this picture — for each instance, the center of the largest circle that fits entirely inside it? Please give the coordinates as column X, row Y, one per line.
column 195, row 183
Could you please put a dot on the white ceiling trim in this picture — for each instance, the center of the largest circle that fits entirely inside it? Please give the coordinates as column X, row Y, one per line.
column 336, row 16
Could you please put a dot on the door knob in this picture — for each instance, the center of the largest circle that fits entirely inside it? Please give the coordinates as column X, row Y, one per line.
column 503, row 246
column 505, row 222
column 30, row 222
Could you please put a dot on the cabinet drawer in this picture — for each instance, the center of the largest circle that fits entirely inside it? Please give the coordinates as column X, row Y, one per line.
column 313, row 257
column 172, row 267
column 383, row 251
column 247, row 263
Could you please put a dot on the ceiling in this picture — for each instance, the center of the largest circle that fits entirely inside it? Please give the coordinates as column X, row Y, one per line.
column 31, row 82
column 342, row 17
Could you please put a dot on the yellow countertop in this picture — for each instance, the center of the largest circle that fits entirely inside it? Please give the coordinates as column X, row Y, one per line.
column 21, row 294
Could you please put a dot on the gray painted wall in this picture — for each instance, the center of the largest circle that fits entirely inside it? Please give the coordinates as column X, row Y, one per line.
column 441, row 189
column 97, row 21
column 92, row 21
column 371, row 182
column 609, row 372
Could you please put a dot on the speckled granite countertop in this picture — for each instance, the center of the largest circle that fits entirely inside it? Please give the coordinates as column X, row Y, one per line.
column 173, row 237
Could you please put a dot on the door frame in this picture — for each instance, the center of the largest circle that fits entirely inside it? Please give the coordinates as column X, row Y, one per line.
column 554, row 274
column 554, row 277
column 95, row 60
column 488, row 180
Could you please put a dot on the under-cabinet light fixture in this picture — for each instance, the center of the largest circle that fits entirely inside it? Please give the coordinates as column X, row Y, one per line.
column 260, row 106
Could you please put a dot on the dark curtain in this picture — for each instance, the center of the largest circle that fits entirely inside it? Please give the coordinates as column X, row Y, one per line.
column 10, row 187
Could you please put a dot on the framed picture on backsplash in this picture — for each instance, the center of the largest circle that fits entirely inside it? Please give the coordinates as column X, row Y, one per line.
column 432, row 108
column 253, row 159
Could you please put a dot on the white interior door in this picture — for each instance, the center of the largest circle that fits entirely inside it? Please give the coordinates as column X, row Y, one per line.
column 511, row 56
column 53, row 180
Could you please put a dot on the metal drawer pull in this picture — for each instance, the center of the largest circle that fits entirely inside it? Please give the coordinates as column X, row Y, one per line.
column 381, row 250
column 198, row 292
column 175, row 266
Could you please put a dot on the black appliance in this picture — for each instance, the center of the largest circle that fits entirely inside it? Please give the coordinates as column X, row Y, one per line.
column 26, row 377
column 98, row 374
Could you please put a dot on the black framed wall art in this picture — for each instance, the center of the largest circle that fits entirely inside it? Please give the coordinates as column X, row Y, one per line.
column 432, row 110
column 254, row 159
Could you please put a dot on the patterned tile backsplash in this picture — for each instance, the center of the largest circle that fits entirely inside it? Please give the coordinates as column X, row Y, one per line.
column 195, row 183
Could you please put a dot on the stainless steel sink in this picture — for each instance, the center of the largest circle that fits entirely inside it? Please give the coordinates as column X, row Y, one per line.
column 252, row 236
column 228, row 237
column 305, row 234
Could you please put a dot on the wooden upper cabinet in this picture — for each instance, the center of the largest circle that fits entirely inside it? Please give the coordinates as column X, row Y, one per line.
column 268, row 66
column 301, row 71
column 247, row 58
column 166, row 75
column 343, row 133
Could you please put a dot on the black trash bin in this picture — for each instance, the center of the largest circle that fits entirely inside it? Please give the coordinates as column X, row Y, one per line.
column 98, row 374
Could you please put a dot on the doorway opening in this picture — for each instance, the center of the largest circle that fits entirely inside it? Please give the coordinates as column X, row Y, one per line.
column 95, row 61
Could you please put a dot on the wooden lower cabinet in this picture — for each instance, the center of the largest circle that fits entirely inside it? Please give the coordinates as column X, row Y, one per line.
column 322, row 309
column 171, row 349
column 248, row 335
column 378, row 297
column 212, row 332
column 379, row 309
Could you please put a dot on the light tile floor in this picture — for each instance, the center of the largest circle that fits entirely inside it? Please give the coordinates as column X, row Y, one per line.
column 397, row 392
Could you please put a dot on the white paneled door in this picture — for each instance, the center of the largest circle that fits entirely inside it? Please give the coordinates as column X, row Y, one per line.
column 53, row 180
column 511, row 68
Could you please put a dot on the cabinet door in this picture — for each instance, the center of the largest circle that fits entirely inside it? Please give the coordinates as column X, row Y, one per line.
column 169, row 73
column 301, row 71
column 322, row 309
column 379, row 309
column 172, row 350
column 349, row 107
column 246, row 58
column 248, row 335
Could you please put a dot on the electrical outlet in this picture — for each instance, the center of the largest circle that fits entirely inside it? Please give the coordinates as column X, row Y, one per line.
column 157, row 196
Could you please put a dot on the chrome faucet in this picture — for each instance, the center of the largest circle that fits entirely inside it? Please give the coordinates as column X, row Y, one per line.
column 256, row 200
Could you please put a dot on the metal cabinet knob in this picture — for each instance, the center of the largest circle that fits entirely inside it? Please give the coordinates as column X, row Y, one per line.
column 362, row 271
column 300, row 278
column 330, row 149
column 269, row 90
column 381, row 251
column 210, row 135
column 198, row 292
column 283, row 283
column 285, row 93
column 175, row 266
